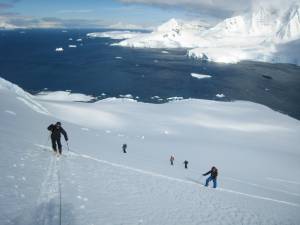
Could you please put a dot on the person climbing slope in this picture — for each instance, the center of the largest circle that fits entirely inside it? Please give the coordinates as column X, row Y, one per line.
column 186, row 164
column 213, row 176
column 56, row 131
column 124, row 147
column 172, row 158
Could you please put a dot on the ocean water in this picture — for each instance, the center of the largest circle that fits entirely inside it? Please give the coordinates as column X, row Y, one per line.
column 28, row 58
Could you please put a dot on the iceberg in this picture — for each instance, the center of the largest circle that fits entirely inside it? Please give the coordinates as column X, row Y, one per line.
column 114, row 34
column 65, row 96
column 60, row 49
column 200, row 76
column 220, row 95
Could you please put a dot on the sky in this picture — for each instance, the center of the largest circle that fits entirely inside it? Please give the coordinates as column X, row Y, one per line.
column 119, row 13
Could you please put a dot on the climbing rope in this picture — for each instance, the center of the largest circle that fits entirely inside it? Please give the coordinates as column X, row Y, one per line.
column 60, row 196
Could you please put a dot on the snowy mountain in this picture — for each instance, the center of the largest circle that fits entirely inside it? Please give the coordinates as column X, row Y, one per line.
column 263, row 22
column 95, row 183
column 256, row 35
column 6, row 26
column 290, row 29
column 172, row 34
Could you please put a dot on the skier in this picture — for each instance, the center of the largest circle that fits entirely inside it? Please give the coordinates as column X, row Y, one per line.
column 186, row 164
column 56, row 130
column 213, row 176
column 124, row 147
column 172, row 160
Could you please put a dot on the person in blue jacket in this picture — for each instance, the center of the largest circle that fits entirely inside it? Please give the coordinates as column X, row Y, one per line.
column 213, row 176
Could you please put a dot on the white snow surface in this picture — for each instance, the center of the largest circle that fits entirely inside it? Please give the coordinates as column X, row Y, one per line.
column 258, row 35
column 200, row 76
column 125, row 34
column 255, row 149
column 63, row 96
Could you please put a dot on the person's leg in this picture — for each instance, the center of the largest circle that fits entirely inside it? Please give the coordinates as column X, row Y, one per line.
column 53, row 144
column 208, row 180
column 59, row 145
column 215, row 182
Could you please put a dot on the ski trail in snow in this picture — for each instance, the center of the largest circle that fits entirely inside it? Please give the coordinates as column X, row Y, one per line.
column 72, row 153
column 283, row 181
column 183, row 181
column 49, row 200
column 261, row 186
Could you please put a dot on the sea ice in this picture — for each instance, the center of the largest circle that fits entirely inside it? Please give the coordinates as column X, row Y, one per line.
column 60, row 49
column 200, row 76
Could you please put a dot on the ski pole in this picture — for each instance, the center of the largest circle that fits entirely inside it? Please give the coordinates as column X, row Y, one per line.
column 68, row 146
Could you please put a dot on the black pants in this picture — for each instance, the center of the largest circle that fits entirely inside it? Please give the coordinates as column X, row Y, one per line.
column 54, row 142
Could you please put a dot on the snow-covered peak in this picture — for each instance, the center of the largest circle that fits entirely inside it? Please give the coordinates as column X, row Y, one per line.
column 231, row 25
column 290, row 29
column 263, row 21
column 6, row 26
column 170, row 25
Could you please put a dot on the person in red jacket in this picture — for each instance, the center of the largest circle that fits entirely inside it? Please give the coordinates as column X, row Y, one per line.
column 56, row 131
column 213, row 176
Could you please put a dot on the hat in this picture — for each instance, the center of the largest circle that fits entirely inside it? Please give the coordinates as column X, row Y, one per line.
column 58, row 124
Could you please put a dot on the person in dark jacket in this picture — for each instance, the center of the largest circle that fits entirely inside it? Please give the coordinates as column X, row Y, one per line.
column 213, row 176
column 186, row 164
column 172, row 158
column 56, row 131
column 124, row 147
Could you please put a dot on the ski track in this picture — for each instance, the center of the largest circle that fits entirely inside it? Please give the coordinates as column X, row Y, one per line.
column 261, row 186
column 283, row 181
column 72, row 153
column 48, row 202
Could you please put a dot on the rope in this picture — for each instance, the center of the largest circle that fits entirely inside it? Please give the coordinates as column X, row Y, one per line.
column 60, row 198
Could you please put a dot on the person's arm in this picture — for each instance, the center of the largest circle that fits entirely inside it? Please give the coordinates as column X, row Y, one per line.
column 50, row 128
column 64, row 133
column 206, row 173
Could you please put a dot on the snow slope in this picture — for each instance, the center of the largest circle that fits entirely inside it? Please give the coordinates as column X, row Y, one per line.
column 257, row 35
column 95, row 183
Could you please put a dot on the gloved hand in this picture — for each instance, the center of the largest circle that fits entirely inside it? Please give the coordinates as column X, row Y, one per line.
column 67, row 139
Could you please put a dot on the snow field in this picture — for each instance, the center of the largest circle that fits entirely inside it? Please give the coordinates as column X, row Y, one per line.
column 101, row 185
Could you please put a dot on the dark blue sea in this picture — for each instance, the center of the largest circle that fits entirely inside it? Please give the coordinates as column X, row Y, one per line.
column 28, row 58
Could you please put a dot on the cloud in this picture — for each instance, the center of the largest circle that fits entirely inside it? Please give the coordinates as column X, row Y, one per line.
column 5, row 6
column 10, row 21
column 75, row 11
column 218, row 8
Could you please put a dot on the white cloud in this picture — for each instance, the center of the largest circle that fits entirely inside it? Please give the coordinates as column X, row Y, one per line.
column 75, row 11
column 216, row 8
